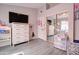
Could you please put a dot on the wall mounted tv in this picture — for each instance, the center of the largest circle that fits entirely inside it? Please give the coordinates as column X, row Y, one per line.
column 16, row 17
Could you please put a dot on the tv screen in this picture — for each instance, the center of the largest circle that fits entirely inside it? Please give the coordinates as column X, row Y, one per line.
column 15, row 17
column 23, row 18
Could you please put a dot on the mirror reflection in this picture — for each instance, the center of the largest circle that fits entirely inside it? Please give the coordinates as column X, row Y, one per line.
column 57, row 30
column 51, row 23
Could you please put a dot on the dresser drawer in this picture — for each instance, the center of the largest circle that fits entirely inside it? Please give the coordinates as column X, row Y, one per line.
column 20, row 32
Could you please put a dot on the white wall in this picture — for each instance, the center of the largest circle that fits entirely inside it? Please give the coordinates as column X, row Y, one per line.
column 4, row 9
column 42, row 34
column 59, row 9
column 4, row 13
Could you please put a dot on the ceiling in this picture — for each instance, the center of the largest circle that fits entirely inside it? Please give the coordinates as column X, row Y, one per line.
column 33, row 5
column 30, row 5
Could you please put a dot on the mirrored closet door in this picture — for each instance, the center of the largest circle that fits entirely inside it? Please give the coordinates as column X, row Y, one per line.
column 51, row 24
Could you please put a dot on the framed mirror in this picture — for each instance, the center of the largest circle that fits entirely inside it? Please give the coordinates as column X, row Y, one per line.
column 51, row 24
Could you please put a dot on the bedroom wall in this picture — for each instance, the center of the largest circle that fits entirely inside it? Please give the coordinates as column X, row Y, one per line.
column 34, row 16
column 4, row 14
column 42, row 34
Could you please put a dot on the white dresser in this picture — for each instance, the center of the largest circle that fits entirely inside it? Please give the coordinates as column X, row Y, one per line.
column 20, row 33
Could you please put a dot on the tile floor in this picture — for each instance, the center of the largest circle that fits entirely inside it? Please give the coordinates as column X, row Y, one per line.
column 34, row 47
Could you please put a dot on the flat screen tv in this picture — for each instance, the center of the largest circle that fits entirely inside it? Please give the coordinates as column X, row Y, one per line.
column 16, row 17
